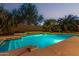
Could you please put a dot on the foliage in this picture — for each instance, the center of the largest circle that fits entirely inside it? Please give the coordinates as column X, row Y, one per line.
column 68, row 23
column 65, row 24
column 49, row 24
column 27, row 14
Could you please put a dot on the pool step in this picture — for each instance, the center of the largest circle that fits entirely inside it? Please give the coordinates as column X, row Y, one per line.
column 11, row 45
column 14, row 45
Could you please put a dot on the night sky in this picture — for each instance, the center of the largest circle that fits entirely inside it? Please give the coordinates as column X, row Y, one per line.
column 51, row 10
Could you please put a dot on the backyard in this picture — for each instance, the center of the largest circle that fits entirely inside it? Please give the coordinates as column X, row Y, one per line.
column 26, row 32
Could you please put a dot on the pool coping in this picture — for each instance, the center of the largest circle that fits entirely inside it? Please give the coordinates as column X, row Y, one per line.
column 19, row 35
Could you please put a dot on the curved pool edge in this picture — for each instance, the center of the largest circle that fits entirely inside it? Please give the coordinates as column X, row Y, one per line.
column 16, row 37
column 23, row 51
column 35, row 41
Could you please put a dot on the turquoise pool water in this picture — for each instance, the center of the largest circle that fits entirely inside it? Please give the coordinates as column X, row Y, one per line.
column 40, row 40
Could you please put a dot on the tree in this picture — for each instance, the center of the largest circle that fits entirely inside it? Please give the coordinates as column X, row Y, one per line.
column 16, row 16
column 29, row 13
column 40, row 19
column 67, row 23
column 49, row 24
column 6, row 21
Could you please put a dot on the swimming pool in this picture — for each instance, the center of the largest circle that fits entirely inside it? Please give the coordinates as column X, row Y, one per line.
column 40, row 40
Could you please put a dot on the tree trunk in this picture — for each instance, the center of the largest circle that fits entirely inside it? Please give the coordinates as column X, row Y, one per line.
column 65, row 28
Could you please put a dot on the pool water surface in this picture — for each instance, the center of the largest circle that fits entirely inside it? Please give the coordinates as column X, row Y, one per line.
column 39, row 40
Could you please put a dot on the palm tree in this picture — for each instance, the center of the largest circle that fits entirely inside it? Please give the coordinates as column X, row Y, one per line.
column 67, row 23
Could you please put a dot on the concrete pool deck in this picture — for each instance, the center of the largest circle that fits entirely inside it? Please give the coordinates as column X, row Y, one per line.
column 69, row 47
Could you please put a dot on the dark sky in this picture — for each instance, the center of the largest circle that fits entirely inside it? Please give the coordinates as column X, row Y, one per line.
column 51, row 10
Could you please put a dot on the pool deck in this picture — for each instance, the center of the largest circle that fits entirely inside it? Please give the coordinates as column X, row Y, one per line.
column 69, row 47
